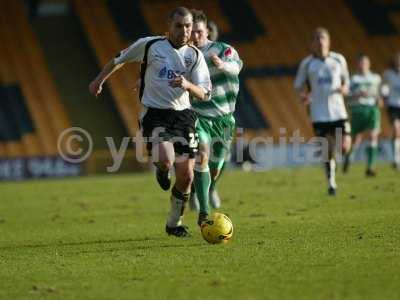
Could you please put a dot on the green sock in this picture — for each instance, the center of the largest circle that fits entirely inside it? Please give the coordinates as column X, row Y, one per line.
column 372, row 153
column 202, row 181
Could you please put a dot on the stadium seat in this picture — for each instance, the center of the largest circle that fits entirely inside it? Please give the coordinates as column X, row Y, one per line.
column 24, row 64
column 107, row 42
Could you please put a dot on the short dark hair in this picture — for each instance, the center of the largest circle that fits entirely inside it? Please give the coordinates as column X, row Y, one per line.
column 198, row 16
column 179, row 11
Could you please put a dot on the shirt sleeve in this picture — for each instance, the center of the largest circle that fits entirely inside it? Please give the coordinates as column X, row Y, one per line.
column 232, row 62
column 385, row 89
column 301, row 76
column 200, row 75
column 134, row 52
column 344, row 72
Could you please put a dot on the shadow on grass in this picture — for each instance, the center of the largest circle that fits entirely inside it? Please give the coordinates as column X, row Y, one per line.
column 107, row 242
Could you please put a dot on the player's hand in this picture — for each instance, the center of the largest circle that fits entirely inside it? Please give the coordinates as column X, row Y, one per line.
column 219, row 63
column 364, row 94
column 305, row 98
column 381, row 103
column 95, row 88
column 137, row 85
column 180, row 82
column 344, row 90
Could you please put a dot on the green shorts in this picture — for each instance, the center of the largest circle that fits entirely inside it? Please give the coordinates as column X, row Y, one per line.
column 218, row 134
column 364, row 117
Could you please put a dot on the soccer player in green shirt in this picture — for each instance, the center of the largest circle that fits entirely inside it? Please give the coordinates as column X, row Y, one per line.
column 364, row 101
column 216, row 123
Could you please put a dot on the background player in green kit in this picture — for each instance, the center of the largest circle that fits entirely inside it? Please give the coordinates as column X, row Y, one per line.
column 364, row 99
column 216, row 123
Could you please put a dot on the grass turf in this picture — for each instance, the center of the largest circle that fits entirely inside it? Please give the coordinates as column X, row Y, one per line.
column 103, row 238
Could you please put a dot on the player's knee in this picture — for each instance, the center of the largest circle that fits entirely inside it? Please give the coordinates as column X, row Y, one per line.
column 346, row 146
column 185, row 178
column 165, row 164
column 214, row 173
column 202, row 159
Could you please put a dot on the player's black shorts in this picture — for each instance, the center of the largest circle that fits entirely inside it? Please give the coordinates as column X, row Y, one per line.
column 394, row 113
column 178, row 127
column 324, row 129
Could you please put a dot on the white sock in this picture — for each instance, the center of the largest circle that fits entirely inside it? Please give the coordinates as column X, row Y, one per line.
column 397, row 151
column 331, row 174
column 175, row 215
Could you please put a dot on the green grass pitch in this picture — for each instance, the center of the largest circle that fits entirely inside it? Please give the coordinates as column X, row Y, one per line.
column 103, row 238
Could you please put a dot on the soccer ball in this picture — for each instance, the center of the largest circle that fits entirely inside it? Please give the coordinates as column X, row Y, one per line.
column 217, row 229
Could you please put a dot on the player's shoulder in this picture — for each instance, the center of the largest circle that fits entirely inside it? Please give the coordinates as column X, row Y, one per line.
column 337, row 56
column 223, row 48
column 356, row 77
column 307, row 60
column 147, row 39
column 192, row 50
column 375, row 76
column 388, row 73
column 192, row 55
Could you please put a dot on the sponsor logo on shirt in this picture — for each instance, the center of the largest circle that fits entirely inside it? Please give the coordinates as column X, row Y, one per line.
column 188, row 61
column 228, row 52
column 166, row 73
column 324, row 80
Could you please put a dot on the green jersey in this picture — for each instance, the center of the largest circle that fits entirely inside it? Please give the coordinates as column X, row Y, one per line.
column 369, row 84
column 225, row 82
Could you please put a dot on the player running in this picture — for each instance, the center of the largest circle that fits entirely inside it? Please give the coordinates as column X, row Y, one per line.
column 391, row 78
column 325, row 75
column 171, row 72
column 364, row 101
column 216, row 123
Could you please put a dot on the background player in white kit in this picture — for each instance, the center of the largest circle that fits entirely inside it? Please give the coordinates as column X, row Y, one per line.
column 391, row 79
column 171, row 72
column 322, row 80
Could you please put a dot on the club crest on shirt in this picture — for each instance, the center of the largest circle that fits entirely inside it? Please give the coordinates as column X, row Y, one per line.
column 188, row 61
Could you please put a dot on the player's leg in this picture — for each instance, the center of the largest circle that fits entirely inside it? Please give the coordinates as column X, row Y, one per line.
column 217, row 161
column 163, row 157
column 356, row 133
column 202, row 178
column 396, row 143
column 222, row 136
column 180, row 195
column 373, row 135
column 330, row 165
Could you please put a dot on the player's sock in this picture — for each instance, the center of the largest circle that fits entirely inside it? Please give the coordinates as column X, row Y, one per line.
column 178, row 204
column 396, row 151
column 202, row 181
column 372, row 154
column 330, row 170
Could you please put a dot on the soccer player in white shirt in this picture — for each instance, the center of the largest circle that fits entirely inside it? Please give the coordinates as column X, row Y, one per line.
column 171, row 72
column 391, row 79
column 322, row 80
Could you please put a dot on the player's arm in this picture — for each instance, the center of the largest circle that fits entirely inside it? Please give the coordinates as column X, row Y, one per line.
column 199, row 85
column 134, row 52
column 230, row 62
column 345, row 78
column 96, row 86
column 385, row 87
column 194, row 90
column 300, row 83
